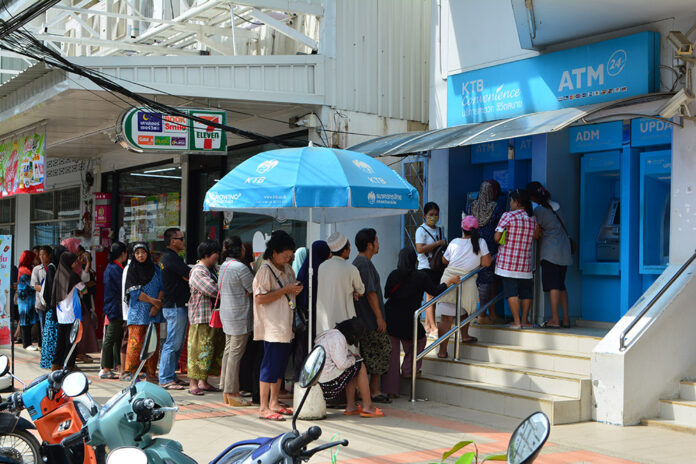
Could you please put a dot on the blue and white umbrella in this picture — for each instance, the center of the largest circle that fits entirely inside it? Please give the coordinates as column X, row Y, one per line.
column 339, row 185
column 313, row 184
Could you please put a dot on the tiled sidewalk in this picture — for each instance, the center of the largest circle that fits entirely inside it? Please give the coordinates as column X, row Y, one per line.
column 409, row 433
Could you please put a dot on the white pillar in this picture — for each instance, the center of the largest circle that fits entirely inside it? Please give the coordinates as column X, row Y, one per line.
column 22, row 231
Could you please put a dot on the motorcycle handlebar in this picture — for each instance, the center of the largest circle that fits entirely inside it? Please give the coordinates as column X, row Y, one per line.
column 143, row 406
column 294, row 446
column 74, row 439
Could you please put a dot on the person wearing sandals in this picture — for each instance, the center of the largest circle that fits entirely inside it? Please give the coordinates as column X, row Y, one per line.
column 428, row 238
column 404, row 290
column 205, row 343
column 49, row 335
column 26, row 298
column 554, row 252
column 144, row 294
column 487, row 212
column 111, row 346
column 514, row 263
column 275, row 289
column 344, row 370
column 462, row 256
column 236, row 287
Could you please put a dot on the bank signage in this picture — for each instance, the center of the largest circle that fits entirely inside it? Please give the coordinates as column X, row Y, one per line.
column 594, row 73
column 596, row 137
column 646, row 132
column 145, row 129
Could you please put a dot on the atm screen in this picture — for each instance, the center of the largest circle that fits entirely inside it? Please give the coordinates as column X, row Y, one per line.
column 609, row 232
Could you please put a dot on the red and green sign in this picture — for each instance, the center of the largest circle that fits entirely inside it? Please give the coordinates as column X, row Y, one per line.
column 23, row 164
column 145, row 129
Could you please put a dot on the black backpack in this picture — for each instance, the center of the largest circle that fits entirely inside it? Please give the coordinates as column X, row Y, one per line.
column 435, row 258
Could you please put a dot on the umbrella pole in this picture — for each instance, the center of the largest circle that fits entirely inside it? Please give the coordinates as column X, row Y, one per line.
column 310, row 268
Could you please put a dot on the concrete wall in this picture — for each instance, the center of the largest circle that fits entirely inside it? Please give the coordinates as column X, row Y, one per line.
column 627, row 385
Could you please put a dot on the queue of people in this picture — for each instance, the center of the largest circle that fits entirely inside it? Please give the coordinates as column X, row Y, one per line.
column 228, row 312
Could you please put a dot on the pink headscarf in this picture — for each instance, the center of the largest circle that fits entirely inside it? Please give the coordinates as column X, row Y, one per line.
column 71, row 244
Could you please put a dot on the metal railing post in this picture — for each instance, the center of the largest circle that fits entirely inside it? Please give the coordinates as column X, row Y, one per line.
column 414, row 361
column 457, row 334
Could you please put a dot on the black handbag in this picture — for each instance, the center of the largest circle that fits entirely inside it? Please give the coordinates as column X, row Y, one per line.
column 299, row 322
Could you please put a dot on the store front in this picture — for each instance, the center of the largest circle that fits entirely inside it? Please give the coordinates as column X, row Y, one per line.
column 528, row 120
column 145, row 202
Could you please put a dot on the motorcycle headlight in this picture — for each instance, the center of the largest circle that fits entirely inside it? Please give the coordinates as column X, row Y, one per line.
column 127, row 455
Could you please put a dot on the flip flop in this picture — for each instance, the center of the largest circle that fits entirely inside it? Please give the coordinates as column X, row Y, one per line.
column 285, row 412
column 443, row 357
column 273, row 417
column 381, row 398
column 565, row 326
column 108, row 375
column 378, row 413
column 546, row 325
column 178, row 381
column 513, row 326
column 354, row 412
column 172, row 386
column 127, row 377
column 470, row 340
column 196, row 392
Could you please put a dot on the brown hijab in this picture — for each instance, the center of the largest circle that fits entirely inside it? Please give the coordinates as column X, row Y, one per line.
column 65, row 278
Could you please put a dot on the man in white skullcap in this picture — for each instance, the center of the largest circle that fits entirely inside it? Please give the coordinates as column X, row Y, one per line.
column 338, row 284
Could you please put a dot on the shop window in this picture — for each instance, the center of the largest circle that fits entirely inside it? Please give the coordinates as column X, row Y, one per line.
column 54, row 216
column 7, row 215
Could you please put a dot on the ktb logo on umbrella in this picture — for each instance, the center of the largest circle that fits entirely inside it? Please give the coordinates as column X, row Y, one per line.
column 266, row 166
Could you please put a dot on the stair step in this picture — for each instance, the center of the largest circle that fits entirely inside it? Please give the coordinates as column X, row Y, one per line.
column 506, row 401
column 578, row 340
column 680, row 410
column 524, row 356
column 687, row 390
column 521, row 378
column 670, row 424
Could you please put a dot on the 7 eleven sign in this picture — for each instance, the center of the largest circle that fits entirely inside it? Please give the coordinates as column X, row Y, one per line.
column 207, row 137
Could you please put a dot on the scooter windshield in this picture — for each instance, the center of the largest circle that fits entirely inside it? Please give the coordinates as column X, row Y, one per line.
column 110, row 404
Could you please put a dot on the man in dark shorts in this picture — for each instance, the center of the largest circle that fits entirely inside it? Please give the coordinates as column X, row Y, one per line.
column 375, row 346
column 175, row 275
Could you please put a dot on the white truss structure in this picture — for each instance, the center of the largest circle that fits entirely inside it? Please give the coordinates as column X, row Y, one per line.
column 172, row 27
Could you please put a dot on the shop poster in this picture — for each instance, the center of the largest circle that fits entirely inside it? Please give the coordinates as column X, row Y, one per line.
column 5, row 268
column 23, row 164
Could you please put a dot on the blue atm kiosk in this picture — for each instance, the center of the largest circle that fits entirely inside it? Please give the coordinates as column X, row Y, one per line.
column 624, row 212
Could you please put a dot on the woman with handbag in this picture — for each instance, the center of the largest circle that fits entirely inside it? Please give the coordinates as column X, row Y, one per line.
column 236, row 316
column 275, row 289
column 206, row 341
column 555, row 252
column 429, row 240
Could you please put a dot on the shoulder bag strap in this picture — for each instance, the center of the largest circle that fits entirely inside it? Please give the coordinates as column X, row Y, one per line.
column 431, row 236
column 219, row 285
column 292, row 306
column 560, row 221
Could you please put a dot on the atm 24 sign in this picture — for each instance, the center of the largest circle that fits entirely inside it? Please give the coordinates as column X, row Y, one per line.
column 145, row 129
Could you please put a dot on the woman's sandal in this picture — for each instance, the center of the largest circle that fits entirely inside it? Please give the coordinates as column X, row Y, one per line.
column 172, row 386
column 195, row 392
column 273, row 417
column 378, row 413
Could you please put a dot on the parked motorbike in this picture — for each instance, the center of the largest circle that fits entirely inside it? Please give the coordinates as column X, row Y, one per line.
column 55, row 411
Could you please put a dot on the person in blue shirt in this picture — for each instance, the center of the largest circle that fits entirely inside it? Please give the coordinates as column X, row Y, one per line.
column 111, row 347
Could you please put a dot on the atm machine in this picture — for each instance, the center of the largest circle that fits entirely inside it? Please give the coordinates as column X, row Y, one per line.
column 608, row 239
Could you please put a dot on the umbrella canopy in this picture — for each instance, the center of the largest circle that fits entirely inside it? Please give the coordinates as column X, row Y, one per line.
column 288, row 183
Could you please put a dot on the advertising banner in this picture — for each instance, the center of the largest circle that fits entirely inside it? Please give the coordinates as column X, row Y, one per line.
column 145, row 129
column 102, row 209
column 594, row 73
column 23, row 164
column 5, row 267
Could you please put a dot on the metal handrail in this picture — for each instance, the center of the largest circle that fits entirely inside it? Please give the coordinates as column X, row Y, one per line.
column 622, row 340
column 457, row 325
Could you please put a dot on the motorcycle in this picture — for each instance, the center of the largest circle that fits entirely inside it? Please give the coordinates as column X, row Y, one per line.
column 55, row 411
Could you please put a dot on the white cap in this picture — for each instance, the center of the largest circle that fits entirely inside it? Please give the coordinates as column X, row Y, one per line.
column 336, row 241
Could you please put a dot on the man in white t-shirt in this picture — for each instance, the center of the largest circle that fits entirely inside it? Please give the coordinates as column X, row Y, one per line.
column 338, row 283
column 428, row 238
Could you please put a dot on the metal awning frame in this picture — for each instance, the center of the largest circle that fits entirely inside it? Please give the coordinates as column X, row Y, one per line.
column 470, row 134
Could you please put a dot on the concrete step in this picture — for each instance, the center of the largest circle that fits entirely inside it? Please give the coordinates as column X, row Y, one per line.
column 523, row 356
column 669, row 424
column 687, row 390
column 502, row 400
column 521, row 378
column 679, row 410
column 576, row 340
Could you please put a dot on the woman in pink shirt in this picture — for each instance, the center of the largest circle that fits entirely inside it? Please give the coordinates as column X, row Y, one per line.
column 514, row 262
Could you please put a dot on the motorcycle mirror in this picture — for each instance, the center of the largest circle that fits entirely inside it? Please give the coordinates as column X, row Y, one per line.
column 313, row 365
column 74, row 384
column 528, row 438
column 76, row 332
column 127, row 455
column 4, row 365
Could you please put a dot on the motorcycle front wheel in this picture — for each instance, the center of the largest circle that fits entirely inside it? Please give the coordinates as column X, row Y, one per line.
column 19, row 446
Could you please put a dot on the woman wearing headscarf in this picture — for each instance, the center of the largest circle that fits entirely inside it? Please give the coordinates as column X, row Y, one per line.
column 320, row 253
column 144, row 294
column 404, row 291
column 49, row 335
column 487, row 212
column 26, row 298
column 65, row 298
column 300, row 259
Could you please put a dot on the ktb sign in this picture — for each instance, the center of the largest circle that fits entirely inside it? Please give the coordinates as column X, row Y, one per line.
column 146, row 130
